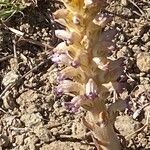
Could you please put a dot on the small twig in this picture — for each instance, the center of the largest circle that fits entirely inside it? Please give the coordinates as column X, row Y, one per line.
column 17, row 32
column 14, row 49
column 36, row 67
column 21, row 34
column 36, row 42
column 146, row 105
column 137, row 7
column 138, row 111
column 20, row 130
column 55, row 126
column 142, row 128
column 9, row 16
column 5, row 58
column 129, row 77
column 137, row 13
column 3, row 111
column 6, row 89
column 63, row 137
column 15, row 66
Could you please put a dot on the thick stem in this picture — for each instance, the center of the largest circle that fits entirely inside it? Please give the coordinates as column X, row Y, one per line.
column 101, row 126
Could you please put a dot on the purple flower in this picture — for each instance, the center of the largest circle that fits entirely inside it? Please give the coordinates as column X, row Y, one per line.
column 91, row 90
column 69, row 87
column 65, row 59
column 63, row 34
column 77, row 102
column 70, row 106
column 69, row 37
column 61, row 58
column 80, row 101
column 74, row 105
column 75, row 64
column 61, row 48
column 58, row 91
column 61, row 77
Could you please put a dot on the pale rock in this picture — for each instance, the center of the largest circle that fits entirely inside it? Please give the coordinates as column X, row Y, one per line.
column 9, row 78
column 143, row 61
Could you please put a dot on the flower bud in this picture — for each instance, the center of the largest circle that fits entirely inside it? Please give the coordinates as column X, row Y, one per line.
column 68, row 86
column 78, row 101
column 75, row 63
column 62, row 58
column 74, row 105
column 71, row 107
column 61, row 48
column 91, row 89
column 76, row 20
column 64, row 35
column 69, row 37
column 61, row 13
column 71, row 72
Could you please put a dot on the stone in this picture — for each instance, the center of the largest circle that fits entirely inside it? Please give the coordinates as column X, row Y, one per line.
column 143, row 61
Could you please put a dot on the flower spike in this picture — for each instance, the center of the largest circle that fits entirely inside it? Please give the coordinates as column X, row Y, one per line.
column 88, row 73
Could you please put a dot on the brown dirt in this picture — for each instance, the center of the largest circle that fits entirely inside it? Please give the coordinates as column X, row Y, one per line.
column 31, row 116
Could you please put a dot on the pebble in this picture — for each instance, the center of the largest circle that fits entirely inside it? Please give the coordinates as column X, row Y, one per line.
column 143, row 61
column 10, row 78
column 145, row 37
column 122, row 52
column 4, row 140
column 124, row 2
column 122, row 38
column 136, row 113
column 31, row 119
column 144, row 48
column 43, row 134
column 144, row 80
column 136, row 49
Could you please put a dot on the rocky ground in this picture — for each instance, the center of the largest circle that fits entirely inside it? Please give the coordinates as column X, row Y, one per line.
column 31, row 116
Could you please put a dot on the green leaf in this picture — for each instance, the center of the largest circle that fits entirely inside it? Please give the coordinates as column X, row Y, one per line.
column 6, row 13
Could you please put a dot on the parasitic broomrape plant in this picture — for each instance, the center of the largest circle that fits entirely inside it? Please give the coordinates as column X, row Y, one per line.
column 89, row 71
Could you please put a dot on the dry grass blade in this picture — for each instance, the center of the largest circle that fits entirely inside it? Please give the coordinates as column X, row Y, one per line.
column 16, row 31
column 5, row 58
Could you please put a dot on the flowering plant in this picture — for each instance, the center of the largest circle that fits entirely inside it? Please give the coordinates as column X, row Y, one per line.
column 89, row 73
